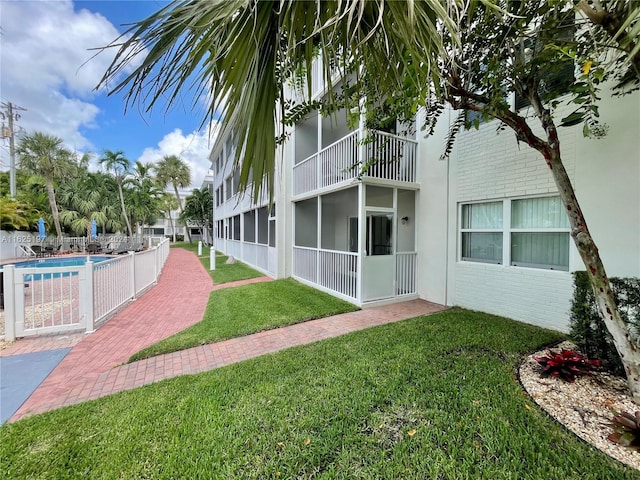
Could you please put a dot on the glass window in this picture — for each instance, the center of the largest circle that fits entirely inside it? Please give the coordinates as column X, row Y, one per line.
column 537, row 233
column 250, row 226
column 236, row 227
column 481, row 229
column 272, row 233
column 379, row 240
column 540, row 233
column 263, row 225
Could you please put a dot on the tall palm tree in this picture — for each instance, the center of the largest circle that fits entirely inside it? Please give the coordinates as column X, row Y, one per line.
column 172, row 170
column 80, row 204
column 45, row 155
column 198, row 209
column 168, row 203
column 145, row 194
column 117, row 163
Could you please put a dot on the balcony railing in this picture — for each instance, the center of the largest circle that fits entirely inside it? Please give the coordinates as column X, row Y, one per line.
column 375, row 155
column 337, row 271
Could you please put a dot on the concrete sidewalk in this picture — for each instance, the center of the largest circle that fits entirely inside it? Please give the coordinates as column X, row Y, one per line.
column 94, row 367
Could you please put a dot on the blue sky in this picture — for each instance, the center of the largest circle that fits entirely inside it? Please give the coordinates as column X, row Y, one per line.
column 47, row 68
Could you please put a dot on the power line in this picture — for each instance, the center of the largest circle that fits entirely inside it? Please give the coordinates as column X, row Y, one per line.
column 10, row 114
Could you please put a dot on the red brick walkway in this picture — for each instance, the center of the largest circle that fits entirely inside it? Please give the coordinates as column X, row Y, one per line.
column 94, row 367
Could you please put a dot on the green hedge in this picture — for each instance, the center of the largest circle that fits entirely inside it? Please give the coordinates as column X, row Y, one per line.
column 588, row 329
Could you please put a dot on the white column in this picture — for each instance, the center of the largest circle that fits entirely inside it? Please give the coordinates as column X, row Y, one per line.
column 132, row 274
column 86, row 296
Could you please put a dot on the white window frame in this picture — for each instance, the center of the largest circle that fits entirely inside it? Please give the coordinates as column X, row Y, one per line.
column 507, row 230
column 462, row 230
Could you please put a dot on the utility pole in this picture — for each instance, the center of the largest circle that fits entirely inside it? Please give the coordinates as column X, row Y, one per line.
column 10, row 115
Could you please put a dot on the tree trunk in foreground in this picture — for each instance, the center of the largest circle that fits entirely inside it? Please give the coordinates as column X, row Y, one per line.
column 622, row 337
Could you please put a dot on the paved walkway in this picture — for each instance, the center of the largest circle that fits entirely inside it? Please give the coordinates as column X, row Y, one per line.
column 94, row 367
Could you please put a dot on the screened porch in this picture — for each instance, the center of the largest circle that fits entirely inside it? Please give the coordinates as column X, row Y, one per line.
column 358, row 243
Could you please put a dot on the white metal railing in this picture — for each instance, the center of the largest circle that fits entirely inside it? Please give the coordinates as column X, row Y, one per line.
column 305, row 263
column 386, row 156
column 331, row 269
column 111, row 285
column 305, row 175
column 406, row 267
column 339, row 161
column 338, row 271
column 253, row 254
column 390, row 157
column 318, row 81
column 75, row 298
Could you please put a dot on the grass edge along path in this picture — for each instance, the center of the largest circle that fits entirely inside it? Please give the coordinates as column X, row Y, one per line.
column 430, row 397
column 223, row 273
column 248, row 309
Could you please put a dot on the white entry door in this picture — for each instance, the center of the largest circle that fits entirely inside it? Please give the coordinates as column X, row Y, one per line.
column 379, row 264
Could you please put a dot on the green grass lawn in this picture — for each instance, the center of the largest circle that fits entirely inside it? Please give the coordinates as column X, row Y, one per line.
column 429, row 398
column 223, row 273
column 238, row 311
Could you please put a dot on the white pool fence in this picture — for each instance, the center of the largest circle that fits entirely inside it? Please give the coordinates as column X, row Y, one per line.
column 53, row 300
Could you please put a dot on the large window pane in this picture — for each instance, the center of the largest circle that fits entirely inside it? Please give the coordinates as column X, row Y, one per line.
column 482, row 215
column 263, row 225
column 250, row 226
column 545, row 212
column 543, row 249
column 482, row 246
column 236, row 227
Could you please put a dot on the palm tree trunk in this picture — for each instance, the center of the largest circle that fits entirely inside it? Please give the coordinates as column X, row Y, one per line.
column 186, row 227
column 124, row 210
column 53, row 205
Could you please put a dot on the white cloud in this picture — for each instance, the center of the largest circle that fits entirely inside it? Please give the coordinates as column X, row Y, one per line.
column 193, row 148
column 47, row 65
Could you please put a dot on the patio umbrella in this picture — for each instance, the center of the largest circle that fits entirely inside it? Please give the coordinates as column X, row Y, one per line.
column 41, row 232
column 94, row 229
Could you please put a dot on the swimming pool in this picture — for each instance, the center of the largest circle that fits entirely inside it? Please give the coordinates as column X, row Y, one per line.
column 56, row 262
column 59, row 261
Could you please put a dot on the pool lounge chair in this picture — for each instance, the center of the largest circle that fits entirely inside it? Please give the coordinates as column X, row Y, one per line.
column 122, row 248
column 38, row 250
column 94, row 248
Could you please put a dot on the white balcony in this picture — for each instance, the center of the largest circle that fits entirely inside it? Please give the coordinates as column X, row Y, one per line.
column 374, row 155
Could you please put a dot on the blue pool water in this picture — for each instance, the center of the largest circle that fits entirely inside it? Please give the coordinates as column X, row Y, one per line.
column 56, row 262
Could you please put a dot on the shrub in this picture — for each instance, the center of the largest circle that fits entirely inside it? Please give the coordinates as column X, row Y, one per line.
column 588, row 330
column 626, row 430
column 566, row 364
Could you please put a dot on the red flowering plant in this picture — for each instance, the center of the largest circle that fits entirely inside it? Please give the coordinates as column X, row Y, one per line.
column 566, row 364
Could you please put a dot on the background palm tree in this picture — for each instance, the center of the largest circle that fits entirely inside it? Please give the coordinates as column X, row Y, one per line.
column 168, row 203
column 117, row 163
column 198, row 209
column 45, row 155
column 144, row 195
column 172, row 170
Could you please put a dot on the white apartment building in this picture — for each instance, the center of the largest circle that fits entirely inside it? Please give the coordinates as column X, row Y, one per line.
column 484, row 230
